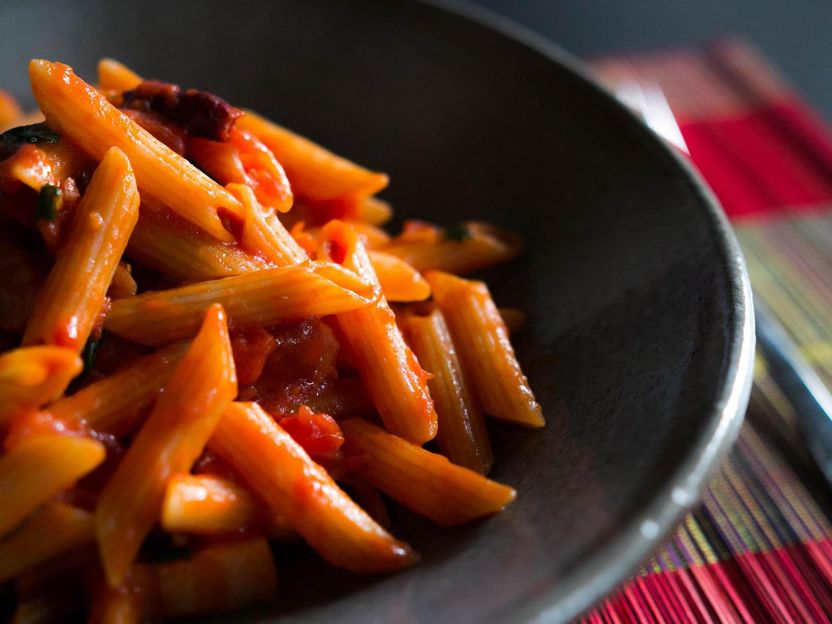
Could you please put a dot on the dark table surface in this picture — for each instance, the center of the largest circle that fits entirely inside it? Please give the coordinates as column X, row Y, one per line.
column 795, row 34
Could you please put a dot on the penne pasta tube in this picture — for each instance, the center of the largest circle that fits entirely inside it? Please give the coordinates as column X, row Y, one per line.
column 462, row 436
column 91, row 123
column 399, row 281
column 395, row 382
column 10, row 111
column 210, row 505
column 33, row 376
column 114, row 404
column 33, row 472
column 425, row 482
column 164, row 242
column 374, row 236
column 168, row 443
column 314, row 172
column 218, row 578
column 369, row 212
column 294, row 487
column 123, row 284
column 262, row 234
column 71, row 300
column 159, row 242
column 113, row 76
column 465, row 249
column 49, row 532
column 487, row 357
column 206, row 504
column 266, row 297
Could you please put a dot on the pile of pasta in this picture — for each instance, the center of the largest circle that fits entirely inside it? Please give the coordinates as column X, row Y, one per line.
column 212, row 347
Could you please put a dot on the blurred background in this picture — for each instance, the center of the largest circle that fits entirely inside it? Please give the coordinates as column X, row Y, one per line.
column 795, row 34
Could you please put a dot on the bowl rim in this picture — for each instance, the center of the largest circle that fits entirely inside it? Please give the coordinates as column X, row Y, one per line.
column 648, row 529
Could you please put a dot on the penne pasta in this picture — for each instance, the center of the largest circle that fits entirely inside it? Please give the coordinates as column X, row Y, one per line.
column 113, row 405
column 424, row 482
column 113, row 76
column 32, row 376
column 374, row 236
column 10, row 111
column 206, row 504
column 245, row 341
column 49, row 532
column 487, row 357
column 262, row 234
column 33, row 472
column 395, row 382
column 465, row 249
column 85, row 116
column 164, row 242
column 369, row 212
column 72, row 298
column 123, row 284
column 280, row 472
column 211, row 505
column 314, row 172
column 161, row 243
column 168, row 443
column 462, row 435
column 267, row 297
column 399, row 281
column 218, row 578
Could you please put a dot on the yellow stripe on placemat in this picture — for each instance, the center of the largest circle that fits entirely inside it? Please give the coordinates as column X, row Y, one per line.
column 790, row 264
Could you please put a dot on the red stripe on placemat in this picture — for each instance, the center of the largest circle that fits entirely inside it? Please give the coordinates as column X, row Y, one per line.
column 754, row 169
column 681, row 595
column 769, row 159
column 733, row 187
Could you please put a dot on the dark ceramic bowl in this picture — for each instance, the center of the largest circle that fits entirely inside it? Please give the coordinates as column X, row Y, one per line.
column 639, row 338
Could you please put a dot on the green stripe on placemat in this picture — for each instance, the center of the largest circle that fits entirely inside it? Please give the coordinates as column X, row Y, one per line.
column 790, row 264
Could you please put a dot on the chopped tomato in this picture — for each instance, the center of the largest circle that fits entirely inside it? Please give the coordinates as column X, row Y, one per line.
column 251, row 346
column 317, row 433
column 264, row 174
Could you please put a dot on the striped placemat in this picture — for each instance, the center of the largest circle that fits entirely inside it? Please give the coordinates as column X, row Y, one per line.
column 759, row 547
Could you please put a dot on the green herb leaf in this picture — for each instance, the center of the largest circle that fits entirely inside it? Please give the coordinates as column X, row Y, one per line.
column 11, row 139
column 88, row 356
column 457, row 233
column 49, row 201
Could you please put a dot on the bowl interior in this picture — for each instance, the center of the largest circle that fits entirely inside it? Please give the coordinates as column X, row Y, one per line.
column 633, row 311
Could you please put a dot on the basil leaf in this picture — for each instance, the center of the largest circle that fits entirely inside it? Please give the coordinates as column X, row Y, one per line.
column 88, row 357
column 457, row 233
column 49, row 200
